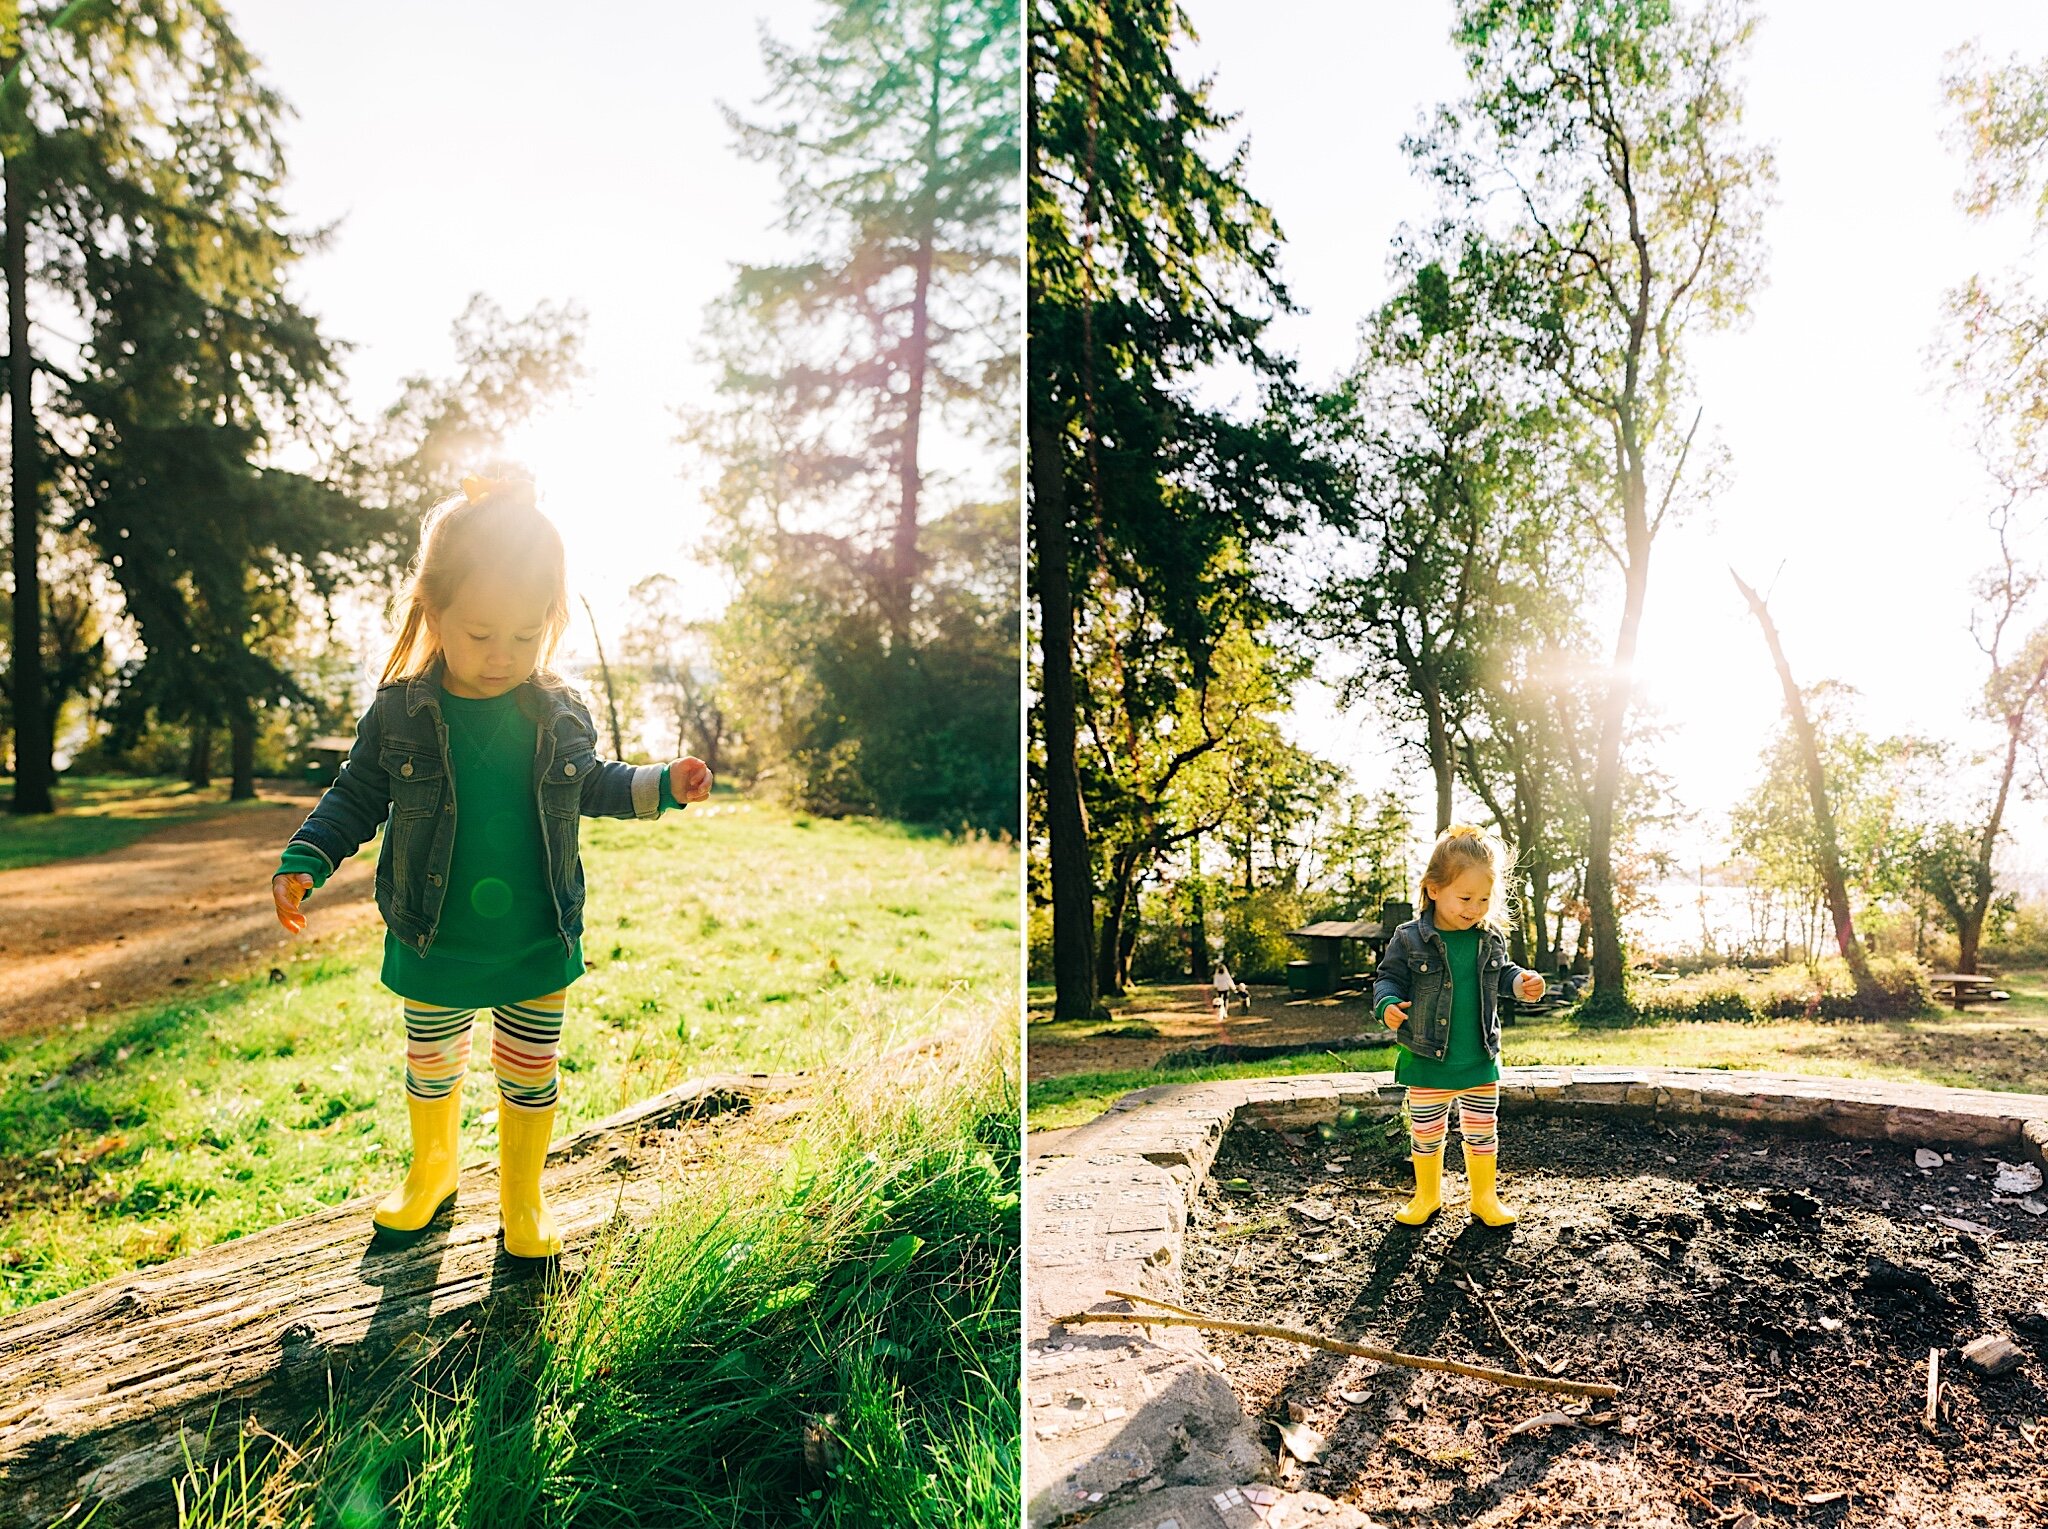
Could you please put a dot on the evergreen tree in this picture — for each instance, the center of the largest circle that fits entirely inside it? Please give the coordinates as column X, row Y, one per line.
column 1147, row 263
column 871, row 643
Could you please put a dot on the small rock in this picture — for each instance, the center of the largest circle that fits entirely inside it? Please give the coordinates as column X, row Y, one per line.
column 2034, row 1207
column 1926, row 1158
column 2017, row 1179
column 1992, row 1354
column 1314, row 1210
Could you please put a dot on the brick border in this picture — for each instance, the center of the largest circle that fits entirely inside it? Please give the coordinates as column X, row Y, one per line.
column 1108, row 1409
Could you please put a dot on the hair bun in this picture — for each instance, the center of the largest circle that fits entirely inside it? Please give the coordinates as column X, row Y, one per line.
column 1462, row 831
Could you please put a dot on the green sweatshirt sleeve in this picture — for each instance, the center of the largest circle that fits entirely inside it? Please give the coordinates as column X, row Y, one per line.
column 297, row 857
column 668, row 797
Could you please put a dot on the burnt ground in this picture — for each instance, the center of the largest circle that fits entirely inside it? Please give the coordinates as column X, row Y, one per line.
column 1766, row 1304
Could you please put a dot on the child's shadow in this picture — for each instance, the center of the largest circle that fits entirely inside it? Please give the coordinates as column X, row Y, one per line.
column 419, row 1298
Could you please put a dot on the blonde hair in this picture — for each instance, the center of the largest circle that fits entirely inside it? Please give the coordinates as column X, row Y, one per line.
column 503, row 531
column 1458, row 848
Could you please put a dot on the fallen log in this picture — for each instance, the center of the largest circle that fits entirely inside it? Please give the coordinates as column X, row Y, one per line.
column 103, row 1389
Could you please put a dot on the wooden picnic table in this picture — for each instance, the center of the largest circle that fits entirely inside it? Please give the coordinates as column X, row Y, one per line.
column 1962, row 988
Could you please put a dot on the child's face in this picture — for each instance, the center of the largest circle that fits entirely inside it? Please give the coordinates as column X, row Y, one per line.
column 491, row 636
column 1463, row 902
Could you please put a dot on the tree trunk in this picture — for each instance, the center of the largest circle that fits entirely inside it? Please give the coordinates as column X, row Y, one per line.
column 910, row 478
column 1199, row 967
column 1539, row 900
column 1066, row 820
column 1817, row 791
column 96, row 1381
column 611, row 701
column 1609, row 971
column 1123, row 875
column 1442, row 763
column 1969, row 932
column 199, row 754
column 33, row 773
column 241, row 753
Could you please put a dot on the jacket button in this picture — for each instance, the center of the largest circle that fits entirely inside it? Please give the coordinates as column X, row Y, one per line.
column 568, row 769
column 406, row 768
column 447, row 806
column 433, row 878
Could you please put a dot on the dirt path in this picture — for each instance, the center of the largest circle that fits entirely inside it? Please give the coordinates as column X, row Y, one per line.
column 180, row 908
column 1165, row 1019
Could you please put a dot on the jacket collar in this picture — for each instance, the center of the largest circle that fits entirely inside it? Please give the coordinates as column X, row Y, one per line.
column 1427, row 919
column 537, row 695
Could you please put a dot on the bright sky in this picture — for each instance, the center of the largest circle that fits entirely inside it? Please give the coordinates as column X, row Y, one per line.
column 1852, row 502
column 532, row 152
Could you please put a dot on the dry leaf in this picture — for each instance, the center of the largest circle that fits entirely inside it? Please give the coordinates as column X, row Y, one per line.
column 1302, row 1441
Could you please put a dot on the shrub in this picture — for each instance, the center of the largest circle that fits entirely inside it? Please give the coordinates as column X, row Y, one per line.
column 1255, row 942
column 1787, row 992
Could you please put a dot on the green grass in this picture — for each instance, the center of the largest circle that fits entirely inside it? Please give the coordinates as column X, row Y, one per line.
column 838, row 1350
column 96, row 813
column 2001, row 1047
column 729, row 939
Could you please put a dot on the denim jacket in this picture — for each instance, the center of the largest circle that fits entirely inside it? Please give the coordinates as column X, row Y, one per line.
column 398, row 775
column 1416, row 968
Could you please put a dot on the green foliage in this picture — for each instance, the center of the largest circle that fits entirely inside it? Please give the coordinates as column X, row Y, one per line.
column 869, row 655
column 1822, row 991
column 1870, row 785
column 833, row 1344
column 1255, row 942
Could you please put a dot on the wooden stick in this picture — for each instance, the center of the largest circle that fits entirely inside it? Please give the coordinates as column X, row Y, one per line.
column 1177, row 1316
column 1469, row 1283
column 1933, row 1388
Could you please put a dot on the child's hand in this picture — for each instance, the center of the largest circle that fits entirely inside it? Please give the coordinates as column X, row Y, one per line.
column 1395, row 1014
column 1530, row 986
column 288, row 890
column 689, row 779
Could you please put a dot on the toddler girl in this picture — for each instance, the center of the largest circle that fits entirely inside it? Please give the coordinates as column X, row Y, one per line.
column 479, row 763
column 1439, row 989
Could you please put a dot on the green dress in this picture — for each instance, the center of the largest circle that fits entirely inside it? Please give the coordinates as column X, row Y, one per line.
column 498, row 940
column 1465, row 1063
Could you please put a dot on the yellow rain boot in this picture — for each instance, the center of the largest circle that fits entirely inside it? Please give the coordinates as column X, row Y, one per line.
column 1429, row 1186
column 436, row 1165
column 522, row 1149
column 1479, row 1169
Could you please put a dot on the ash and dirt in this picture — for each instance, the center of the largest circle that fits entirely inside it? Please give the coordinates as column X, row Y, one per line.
column 1765, row 1303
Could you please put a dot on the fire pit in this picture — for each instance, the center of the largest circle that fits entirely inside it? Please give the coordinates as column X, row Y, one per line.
column 1762, row 1265
column 1766, row 1305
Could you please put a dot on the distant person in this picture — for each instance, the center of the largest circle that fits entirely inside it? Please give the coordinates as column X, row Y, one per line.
column 1225, row 987
column 482, row 906
column 1438, row 989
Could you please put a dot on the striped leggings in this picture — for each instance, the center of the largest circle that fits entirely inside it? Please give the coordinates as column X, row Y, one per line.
column 1429, row 1117
column 523, row 1041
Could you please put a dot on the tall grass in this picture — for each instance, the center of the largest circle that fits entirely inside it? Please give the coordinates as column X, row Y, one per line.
column 841, row 1349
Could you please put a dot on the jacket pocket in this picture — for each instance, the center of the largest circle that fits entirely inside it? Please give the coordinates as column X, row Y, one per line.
column 416, row 778
column 561, row 786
